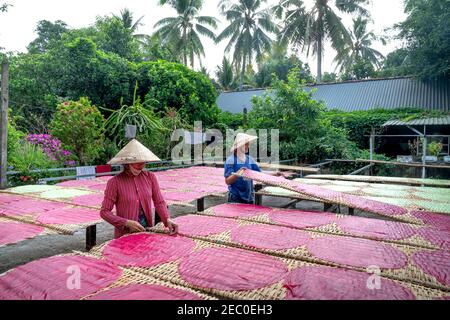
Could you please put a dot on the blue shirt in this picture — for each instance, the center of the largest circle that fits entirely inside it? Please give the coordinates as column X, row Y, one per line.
column 242, row 189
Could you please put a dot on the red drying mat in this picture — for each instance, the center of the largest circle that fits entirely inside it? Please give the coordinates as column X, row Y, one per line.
column 54, row 278
column 325, row 283
column 301, row 219
column 355, row 252
column 231, row 269
column 373, row 228
column 436, row 264
column 69, row 216
column 435, row 220
column 232, row 210
column 13, row 232
column 269, row 237
column 27, row 206
column 144, row 292
column 89, row 200
column 437, row 237
column 202, row 226
column 324, row 194
column 147, row 250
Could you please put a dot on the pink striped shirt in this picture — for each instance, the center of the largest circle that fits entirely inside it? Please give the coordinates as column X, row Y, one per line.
column 125, row 191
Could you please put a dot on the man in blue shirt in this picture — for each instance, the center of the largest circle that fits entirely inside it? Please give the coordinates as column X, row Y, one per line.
column 240, row 190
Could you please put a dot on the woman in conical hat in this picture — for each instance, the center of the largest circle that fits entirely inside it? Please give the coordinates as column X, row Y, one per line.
column 132, row 192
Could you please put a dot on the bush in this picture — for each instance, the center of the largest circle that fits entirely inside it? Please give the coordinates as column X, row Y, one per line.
column 174, row 85
column 304, row 133
column 26, row 157
column 52, row 148
column 79, row 126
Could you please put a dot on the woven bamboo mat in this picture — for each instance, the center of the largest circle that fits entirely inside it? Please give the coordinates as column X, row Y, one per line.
column 415, row 197
column 335, row 224
column 174, row 272
column 410, row 217
column 395, row 261
column 412, row 181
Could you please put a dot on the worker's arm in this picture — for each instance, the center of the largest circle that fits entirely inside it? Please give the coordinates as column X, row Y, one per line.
column 231, row 179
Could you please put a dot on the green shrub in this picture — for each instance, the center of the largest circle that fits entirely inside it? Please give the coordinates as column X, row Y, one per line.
column 79, row 126
column 26, row 157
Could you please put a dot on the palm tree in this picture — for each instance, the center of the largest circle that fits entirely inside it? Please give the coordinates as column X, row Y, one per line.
column 126, row 16
column 311, row 28
column 359, row 48
column 247, row 30
column 225, row 75
column 184, row 30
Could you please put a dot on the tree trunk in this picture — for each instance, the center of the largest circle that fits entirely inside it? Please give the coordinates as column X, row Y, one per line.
column 241, row 82
column 319, row 59
column 4, row 125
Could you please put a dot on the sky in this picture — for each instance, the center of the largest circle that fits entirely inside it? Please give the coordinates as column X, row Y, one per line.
column 17, row 26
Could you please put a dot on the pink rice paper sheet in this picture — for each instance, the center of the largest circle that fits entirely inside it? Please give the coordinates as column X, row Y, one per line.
column 301, row 219
column 79, row 183
column 180, row 196
column 98, row 187
column 50, row 278
column 359, row 253
column 6, row 198
column 376, row 229
column 147, row 250
column 90, row 200
column 69, row 216
column 13, row 232
column 239, row 210
column 435, row 220
column 202, row 226
column 436, row 264
column 437, row 237
column 28, row 206
column 231, row 269
column 326, row 283
column 326, row 195
column 145, row 292
column 269, row 237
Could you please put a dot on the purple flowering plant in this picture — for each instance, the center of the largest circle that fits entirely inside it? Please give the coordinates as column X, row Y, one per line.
column 52, row 148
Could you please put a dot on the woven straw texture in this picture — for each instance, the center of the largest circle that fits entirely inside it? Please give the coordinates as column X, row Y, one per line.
column 335, row 224
column 205, row 269
column 395, row 261
column 411, row 181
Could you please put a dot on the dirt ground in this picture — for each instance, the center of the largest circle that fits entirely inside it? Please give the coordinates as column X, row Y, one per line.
column 50, row 245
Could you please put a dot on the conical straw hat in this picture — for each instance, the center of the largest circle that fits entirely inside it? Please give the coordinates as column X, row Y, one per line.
column 134, row 152
column 241, row 139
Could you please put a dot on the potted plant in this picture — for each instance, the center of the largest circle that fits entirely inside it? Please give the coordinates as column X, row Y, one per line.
column 413, row 147
column 434, row 149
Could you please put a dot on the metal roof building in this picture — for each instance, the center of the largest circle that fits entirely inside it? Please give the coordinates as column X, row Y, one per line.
column 360, row 95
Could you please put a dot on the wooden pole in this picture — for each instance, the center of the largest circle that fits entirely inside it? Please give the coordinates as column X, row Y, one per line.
column 424, row 145
column 4, row 125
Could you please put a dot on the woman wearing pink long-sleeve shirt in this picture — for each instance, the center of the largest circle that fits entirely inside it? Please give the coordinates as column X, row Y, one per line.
column 132, row 192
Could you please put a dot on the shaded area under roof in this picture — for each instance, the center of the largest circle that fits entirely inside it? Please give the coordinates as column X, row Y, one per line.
column 360, row 95
column 443, row 121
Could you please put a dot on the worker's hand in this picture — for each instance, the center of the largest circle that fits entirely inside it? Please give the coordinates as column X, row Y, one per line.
column 135, row 226
column 172, row 226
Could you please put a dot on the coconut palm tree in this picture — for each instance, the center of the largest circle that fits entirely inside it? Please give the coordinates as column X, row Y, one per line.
column 249, row 29
column 225, row 75
column 126, row 16
column 311, row 28
column 360, row 47
column 184, row 30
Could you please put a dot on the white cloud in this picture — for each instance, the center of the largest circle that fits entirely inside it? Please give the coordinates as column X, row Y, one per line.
column 17, row 26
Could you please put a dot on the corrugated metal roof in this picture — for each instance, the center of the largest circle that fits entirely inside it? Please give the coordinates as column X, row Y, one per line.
column 444, row 121
column 360, row 95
